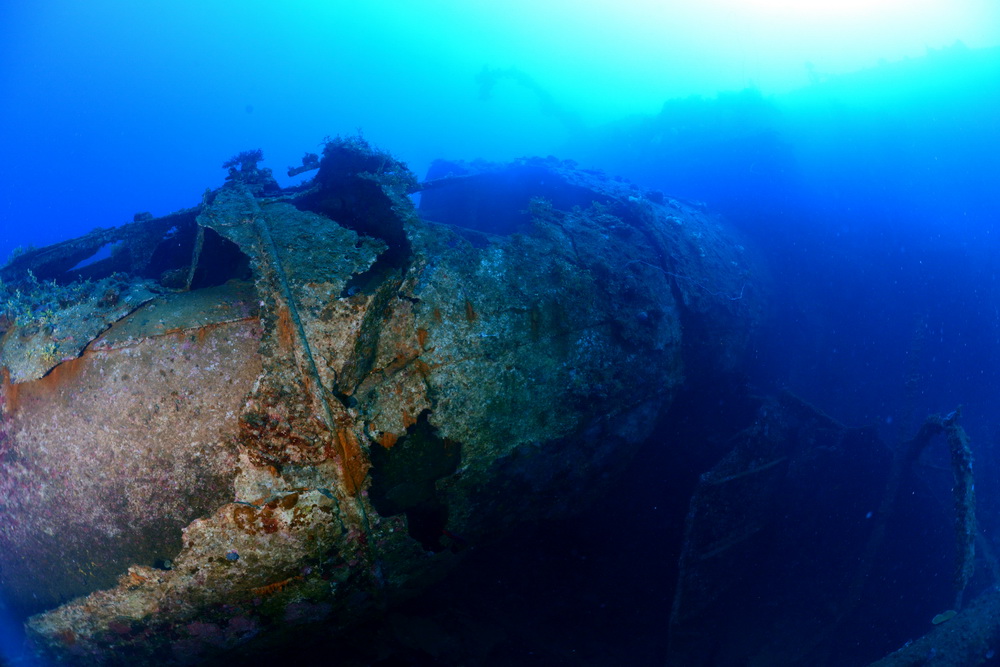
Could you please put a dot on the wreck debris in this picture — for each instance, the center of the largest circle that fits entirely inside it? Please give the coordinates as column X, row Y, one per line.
column 968, row 638
column 749, row 512
column 259, row 181
column 358, row 387
column 310, row 161
column 797, row 500
column 137, row 249
column 961, row 635
column 963, row 491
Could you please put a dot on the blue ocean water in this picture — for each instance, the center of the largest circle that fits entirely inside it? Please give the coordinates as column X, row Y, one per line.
column 867, row 179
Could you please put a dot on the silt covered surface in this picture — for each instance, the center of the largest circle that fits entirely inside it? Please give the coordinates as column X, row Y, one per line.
column 393, row 386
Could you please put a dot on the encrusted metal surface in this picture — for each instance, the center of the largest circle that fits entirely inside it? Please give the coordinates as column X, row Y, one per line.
column 112, row 453
column 388, row 392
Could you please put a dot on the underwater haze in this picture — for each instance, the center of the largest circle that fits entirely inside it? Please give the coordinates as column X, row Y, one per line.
column 855, row 145
column 110, row 108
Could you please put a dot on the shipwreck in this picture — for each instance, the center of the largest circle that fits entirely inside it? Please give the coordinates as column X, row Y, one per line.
column 279, row 413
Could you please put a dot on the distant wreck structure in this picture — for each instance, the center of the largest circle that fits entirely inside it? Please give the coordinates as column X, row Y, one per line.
column 286, row 409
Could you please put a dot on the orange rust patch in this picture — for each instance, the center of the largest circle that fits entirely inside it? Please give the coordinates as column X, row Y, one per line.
column 9, row 392
column 353, row 463
column 200, row 332
column 66, row 636
column 408, row 419
column 276, row 587
column 422, row 336
column 437, row 315
column 63, row 373
column 245, row 519
column 470, row 313
column 285, row 327
column 400, row 362
column 268, row 521
column 387, row 440
column 133, row 579
column 44, row 387
column 422, row 368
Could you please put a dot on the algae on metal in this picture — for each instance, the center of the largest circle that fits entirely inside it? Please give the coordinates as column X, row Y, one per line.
column 47, row 324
